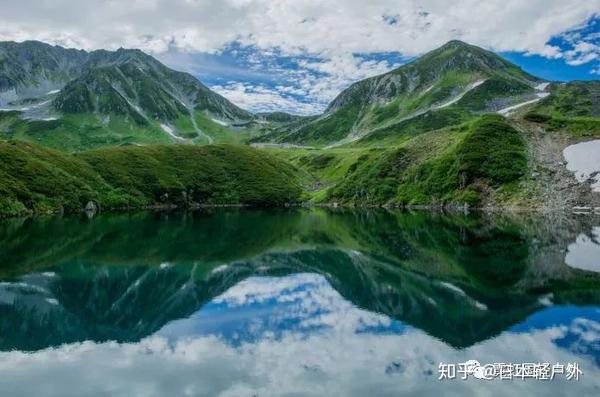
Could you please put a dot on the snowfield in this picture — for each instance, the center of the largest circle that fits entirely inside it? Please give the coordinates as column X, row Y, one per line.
column 584, row 160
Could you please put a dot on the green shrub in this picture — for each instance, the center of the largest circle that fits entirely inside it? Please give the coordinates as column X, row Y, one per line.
column 537, row 117
column 33, row 178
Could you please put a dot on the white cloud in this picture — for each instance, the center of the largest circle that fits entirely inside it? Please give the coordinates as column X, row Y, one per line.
column 340, row 359
column 260, row 98
column 582, row 53
column 307, row 88
column 318, row 27
column 330, row 30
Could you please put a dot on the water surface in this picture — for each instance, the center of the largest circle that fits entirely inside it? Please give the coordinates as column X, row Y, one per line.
column 294, row 302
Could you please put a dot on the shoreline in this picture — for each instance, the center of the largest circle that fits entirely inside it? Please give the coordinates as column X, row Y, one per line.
column 576, row 210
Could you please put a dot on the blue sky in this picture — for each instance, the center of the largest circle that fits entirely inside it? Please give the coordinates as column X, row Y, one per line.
column 269, row 80
column 296, row 56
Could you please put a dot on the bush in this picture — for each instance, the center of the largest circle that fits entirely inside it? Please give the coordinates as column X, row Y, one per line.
column 537, row 117
column 37, row 179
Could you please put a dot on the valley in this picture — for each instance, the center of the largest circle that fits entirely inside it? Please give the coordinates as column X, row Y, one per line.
column 459, row 127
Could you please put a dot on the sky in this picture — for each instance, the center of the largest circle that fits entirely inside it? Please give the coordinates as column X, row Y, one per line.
column 297, row 55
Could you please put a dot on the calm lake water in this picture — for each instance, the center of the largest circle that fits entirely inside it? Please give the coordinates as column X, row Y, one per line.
column 295, row 302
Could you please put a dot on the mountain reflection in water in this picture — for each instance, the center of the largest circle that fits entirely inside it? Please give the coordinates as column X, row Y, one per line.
column 245, row 302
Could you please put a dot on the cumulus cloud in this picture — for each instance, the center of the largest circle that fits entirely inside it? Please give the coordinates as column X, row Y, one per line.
column 260, row 98
column 332, row 31
column 319, row 27
column 344, row 357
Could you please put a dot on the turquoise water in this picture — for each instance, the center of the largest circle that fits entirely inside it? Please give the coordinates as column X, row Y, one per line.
column 295, row 302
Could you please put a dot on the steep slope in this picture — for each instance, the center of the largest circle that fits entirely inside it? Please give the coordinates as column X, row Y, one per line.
column 456, row 75
column 134, row 82
column 124, row 96
column 32, row 69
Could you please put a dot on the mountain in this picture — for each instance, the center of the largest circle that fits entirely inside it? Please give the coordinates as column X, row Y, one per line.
column 454, row 80
column 32, row 69
column 74, row 93
column 459, row 126
column 129, row 82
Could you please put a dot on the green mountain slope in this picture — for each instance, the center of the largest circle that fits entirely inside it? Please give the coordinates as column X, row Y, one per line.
column 574, row 106
column 456, row 76
column 37, row 179
column 487, row 154
column 120, row 95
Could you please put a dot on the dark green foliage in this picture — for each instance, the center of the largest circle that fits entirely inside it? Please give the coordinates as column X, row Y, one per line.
column 537, row 117
column 330, row 128
column 386, row 112
column 280, row 117
column 211, row 174
column 39, row 179
column 321, row 161
column 9, row 114
column 35, row 179
column 189, row 135
column 372, row 179
column 491, row 154
column 42, row 125
column 494, row 151
column 573, row 106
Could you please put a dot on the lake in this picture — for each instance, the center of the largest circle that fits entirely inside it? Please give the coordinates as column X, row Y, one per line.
column 295, row 302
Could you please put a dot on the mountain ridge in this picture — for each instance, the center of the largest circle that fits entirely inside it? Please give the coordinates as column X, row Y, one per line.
column 455, row 74
column 108, row 90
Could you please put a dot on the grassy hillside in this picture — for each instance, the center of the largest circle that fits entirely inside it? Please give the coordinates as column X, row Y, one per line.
column 467, row 163
column 84, row 131
column 37, row 179
column 573, row 106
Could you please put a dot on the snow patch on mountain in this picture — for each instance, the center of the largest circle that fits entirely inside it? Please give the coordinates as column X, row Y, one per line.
column 541, row 88
column 169, row 130
column 457, row 98
column 224, row 124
